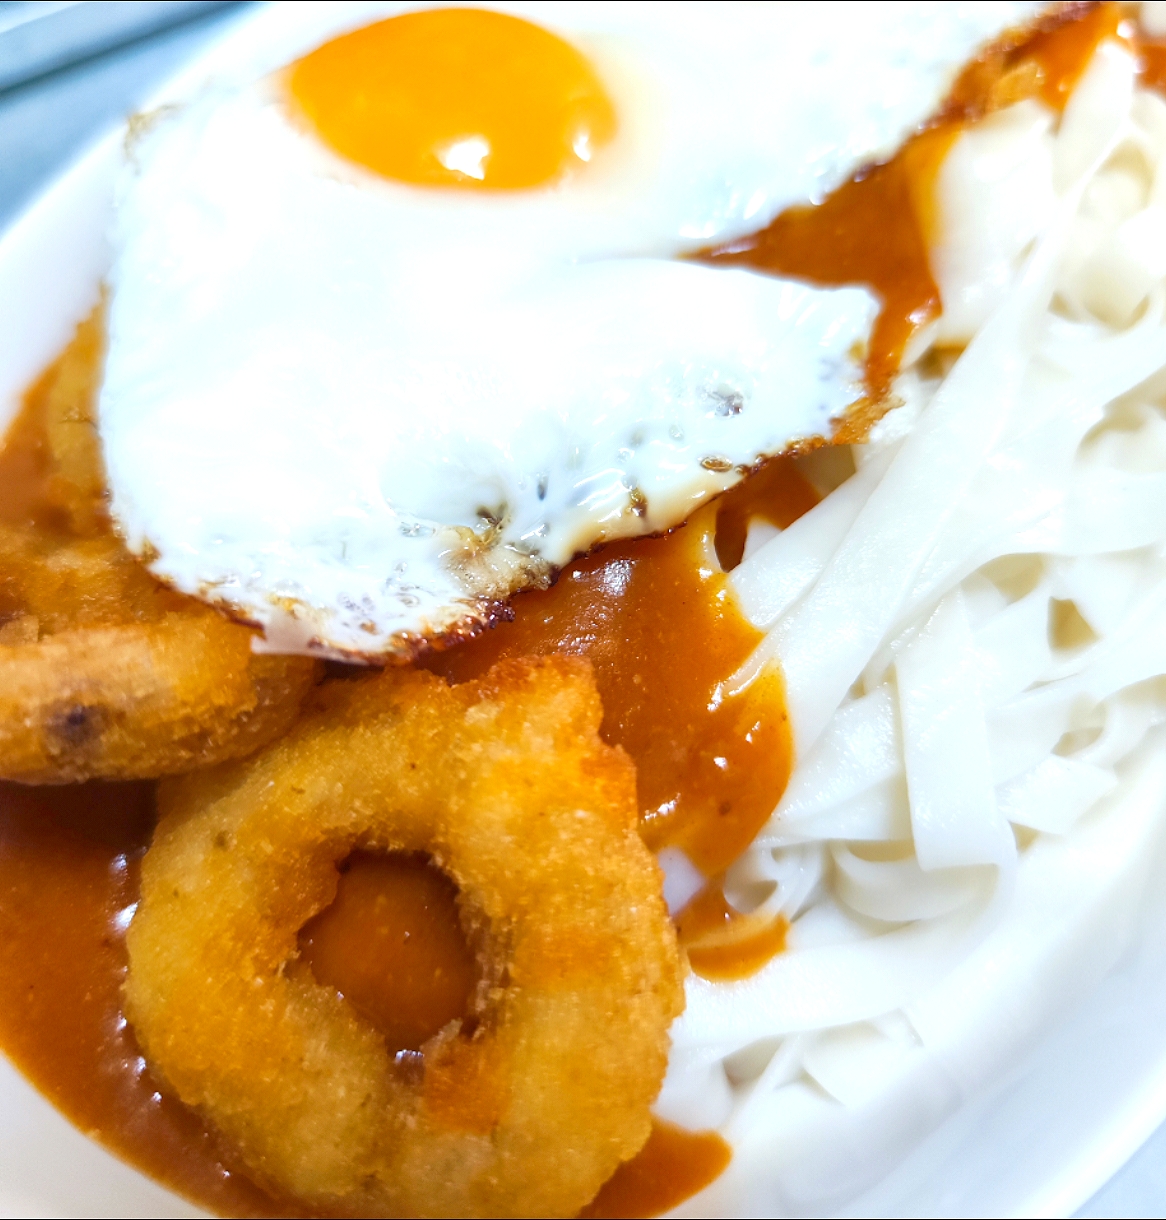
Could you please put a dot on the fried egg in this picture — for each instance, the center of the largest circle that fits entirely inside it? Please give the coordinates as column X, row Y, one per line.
column 402, row 326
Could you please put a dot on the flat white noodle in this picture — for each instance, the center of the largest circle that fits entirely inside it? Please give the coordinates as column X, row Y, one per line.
column 972, row 629
column 954, row 819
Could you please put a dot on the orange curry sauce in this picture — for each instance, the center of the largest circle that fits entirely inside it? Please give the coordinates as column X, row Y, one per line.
column 873, row 229
column 658, row 623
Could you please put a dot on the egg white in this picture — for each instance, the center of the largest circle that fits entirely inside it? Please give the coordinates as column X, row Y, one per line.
column 362, row 413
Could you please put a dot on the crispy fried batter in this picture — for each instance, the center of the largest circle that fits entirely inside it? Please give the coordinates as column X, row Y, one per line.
column 76, row 484
column 104, row 672
column 138, row 700
column 54, row 475
column 529, row 1104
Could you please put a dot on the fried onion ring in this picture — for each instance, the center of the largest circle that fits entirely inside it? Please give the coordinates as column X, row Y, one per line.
column 104, row 672
column 527, row 1105
column 140, row 700
column 62, row 407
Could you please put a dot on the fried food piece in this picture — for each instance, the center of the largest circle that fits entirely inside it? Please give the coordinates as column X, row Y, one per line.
column 67, row 583
column 54, row 475
column 104, row 672
column 77, row 482
column 139, row 700
column 527, row 1105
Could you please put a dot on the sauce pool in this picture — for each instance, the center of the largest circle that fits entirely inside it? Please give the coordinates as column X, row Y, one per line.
column 68, row 882
column 390, row 941
column 391, row 944
column 68, row 873
column 875, row 229
column 672, row 1166
column 657, row 621
column 722, row 943
column 659, row 624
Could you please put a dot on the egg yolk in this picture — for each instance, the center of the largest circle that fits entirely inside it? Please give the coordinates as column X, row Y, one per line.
column 455, row 97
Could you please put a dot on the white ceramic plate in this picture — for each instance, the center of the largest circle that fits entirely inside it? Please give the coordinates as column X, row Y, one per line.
column 1065, row 1107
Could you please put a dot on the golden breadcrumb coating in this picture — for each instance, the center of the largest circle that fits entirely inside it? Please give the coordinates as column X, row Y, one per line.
column 104, row 672
column 527, row 1105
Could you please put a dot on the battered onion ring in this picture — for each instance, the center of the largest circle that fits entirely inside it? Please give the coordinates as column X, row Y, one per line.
column 105, row 673
column 523, row 1108
column 63, row 405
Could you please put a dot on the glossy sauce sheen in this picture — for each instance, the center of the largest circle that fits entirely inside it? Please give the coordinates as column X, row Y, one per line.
column 873, row 230
column 68, row 882
column 722, row 943
column 657, row 623
column 68, row 885
column 866, row 232
column 672, row 1166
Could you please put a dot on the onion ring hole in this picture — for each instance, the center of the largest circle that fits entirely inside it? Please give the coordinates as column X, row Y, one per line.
column 392, row 946
column 70, row 877
column 526, row 1106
